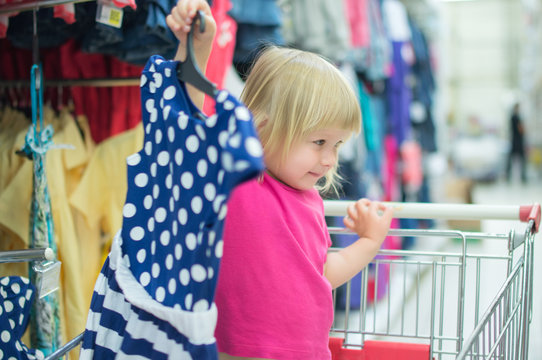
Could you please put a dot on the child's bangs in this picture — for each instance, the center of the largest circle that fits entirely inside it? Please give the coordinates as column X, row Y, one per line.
column 335, row 104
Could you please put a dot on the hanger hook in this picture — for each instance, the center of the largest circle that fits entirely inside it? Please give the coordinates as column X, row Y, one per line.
column 201, row 17
column 188, row 70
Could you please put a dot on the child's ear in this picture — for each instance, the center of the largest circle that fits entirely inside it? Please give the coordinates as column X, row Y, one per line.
column 262, row 122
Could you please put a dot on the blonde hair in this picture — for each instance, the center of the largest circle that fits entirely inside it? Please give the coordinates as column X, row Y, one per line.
column 292, row 93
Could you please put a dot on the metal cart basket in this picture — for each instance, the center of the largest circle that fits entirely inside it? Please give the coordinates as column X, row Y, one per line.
column 433, row 303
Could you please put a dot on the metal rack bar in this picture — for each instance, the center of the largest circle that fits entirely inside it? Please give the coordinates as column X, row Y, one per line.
column 72, row 344
column 26, row 255
column 30, row 5
column 96, row 82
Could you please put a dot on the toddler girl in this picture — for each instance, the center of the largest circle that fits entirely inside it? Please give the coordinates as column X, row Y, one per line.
column 276, row 277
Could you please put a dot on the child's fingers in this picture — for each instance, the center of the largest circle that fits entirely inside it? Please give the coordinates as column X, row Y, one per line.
column 177, row 20
column 188, row 9
column 172, row 23
column 348, row 222
column 374, row 207
column 352, row 212
column 388, row 213
column 362, row 205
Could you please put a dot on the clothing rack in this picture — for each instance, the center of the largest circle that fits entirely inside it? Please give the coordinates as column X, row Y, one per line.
column 34, row 5
column 96, row 82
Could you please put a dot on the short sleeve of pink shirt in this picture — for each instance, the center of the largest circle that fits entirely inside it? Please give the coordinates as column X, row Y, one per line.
column 272, row 297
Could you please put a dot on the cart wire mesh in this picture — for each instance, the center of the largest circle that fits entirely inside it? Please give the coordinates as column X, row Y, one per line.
column 438, row 301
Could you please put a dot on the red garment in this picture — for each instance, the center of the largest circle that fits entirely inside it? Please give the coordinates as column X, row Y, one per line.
column 15, row 63
column 4, row 22
column 4, row 18
column 412, row 171
column 389, row 170
column 356, row 12
column 65, row 12
column 221, row 57
column 123, row 3
column 90, row 101
column 110, row 110
column 126, row 100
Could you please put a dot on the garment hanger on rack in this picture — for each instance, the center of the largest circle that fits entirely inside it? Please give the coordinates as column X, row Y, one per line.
column 188, row 70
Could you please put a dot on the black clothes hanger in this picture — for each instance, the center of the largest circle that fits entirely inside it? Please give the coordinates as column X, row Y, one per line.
column 188, row 70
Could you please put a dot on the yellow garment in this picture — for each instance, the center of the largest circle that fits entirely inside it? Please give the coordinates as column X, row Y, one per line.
column 13, row 126
column 63, row 169
column 89, row 239
column 101, row 193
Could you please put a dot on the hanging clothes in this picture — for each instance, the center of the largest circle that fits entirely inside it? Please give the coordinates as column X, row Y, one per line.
column 422, row 92
column 54, row 26
column 259, row 22
column 99, row 197
column 319, row 26
column 63, row 170
column 16, row 297
column 221, row 57
column 45, row 330
column 13, row 125
column 178, row 185
column 398, row 87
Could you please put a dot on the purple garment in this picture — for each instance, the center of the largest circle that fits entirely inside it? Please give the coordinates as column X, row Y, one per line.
column 399, row 94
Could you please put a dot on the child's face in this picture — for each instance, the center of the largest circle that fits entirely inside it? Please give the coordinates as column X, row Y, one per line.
column 309, row 159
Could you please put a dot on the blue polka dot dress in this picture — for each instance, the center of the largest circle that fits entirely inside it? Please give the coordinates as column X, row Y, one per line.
column 157, row 286
column 16, row 297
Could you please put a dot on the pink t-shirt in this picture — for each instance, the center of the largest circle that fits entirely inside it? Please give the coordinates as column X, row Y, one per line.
column 272, row 297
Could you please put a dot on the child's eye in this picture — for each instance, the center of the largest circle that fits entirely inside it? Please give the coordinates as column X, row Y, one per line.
column 320, row 142
column 338, row 144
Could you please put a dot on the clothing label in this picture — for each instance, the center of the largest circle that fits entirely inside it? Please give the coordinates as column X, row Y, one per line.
column 47, row 277
column 109, row 14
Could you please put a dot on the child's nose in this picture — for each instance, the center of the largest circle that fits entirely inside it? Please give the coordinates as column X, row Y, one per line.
column 329, row 158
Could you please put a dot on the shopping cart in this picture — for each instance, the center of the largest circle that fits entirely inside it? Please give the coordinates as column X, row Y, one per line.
column 432, row 302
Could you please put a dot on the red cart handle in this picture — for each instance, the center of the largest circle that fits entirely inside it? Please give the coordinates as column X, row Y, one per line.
column 530, row 212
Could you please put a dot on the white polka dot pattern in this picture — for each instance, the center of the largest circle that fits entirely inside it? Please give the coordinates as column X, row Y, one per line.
column 16, row 297
column 178, row 185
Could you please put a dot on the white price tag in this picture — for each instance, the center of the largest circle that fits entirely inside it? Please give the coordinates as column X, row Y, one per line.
column 109, row 14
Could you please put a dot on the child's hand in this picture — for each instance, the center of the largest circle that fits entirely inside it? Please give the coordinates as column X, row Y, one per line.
column 369, row 219
column 181, row 17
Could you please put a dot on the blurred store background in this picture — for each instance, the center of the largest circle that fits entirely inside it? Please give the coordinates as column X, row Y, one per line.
column 437, row 81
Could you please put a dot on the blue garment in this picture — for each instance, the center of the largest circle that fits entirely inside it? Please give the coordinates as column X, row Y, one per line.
column 161, row 274
column 144, row 32
column 250, row 39
column 256, row 12
column 52, row 32
column 16, row 297
column 423, row 90
column 124, row 320
column 259, row 23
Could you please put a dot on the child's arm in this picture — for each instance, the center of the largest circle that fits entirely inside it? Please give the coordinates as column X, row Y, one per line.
column 371, row 227
column 179, row 21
